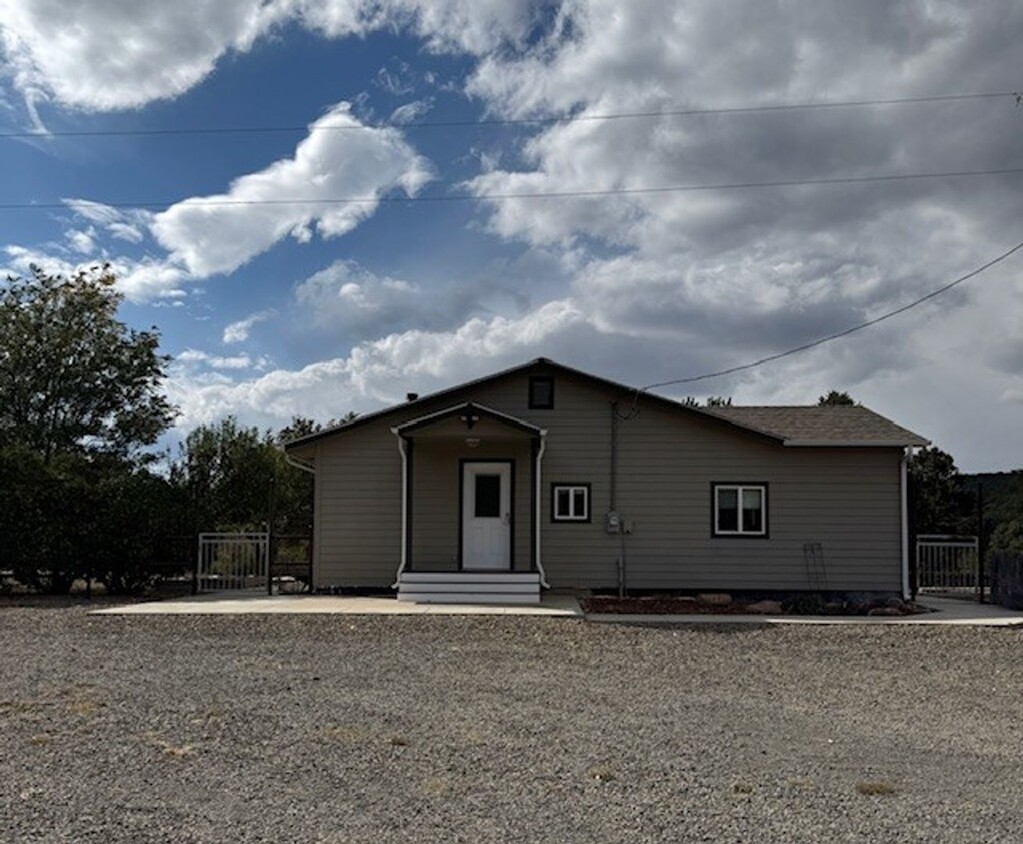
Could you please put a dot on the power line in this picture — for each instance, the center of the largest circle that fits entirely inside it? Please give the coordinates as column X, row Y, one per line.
column 200, row 202
column 519, row 121
column 844, row 333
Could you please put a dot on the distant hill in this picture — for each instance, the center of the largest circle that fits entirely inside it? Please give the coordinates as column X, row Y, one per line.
column 1003, row 492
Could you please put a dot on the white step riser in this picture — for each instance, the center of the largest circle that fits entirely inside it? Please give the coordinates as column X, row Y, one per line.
column 467, row 598
column 476, row 588
column 468, row 577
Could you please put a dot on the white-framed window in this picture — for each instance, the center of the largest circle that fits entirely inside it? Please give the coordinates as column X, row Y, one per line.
column 740, row 509
column 570, row 502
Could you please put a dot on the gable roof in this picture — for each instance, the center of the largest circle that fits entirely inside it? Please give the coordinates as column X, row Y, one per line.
column 472, row 409
column 809, row 431
column 830, row 425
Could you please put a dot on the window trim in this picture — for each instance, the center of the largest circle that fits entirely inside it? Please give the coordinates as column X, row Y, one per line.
column 763, row 487
column 571, row 520
column 536, row 379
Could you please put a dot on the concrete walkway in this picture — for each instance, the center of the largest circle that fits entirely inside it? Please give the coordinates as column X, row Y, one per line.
column 947, row 611
column 220, row 604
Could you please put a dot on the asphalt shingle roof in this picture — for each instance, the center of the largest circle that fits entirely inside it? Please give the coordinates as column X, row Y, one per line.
column 829, row 425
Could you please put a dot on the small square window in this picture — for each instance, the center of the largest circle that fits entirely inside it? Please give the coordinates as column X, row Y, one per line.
column 488, row 497
column 739, row 509
column 541, row 392
column 570, row 502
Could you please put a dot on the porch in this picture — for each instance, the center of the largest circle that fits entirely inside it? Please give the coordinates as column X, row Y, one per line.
column 470, row 507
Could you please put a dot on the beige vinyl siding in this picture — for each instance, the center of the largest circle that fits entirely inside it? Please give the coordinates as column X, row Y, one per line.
column 847, row 499
column 437, row 507
column 357, row 538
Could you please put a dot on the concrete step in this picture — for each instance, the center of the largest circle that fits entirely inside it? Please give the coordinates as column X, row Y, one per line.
column 484, row 578
column 470, row 597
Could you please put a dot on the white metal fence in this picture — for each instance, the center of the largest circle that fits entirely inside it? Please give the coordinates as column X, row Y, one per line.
column 233, row 561
column 947, row 562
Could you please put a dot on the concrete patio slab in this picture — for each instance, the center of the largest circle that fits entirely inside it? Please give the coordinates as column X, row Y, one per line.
column 947, row 611
column 218, row 604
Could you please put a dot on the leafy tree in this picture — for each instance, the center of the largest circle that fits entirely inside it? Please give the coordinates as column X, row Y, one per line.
column 1008, row 536
column 234, row 477
column 834, row 398
column 225, row 472
column 939, row 502
column 73, row 378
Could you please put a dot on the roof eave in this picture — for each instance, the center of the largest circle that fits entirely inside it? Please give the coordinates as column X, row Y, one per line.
column 915, row 443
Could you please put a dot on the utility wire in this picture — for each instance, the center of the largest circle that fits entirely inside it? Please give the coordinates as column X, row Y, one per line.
column 520, row 121
column 200, row 202
column 844, row 333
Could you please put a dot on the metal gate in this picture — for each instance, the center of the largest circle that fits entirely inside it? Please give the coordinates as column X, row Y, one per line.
column 947, row 563
column 233, row 561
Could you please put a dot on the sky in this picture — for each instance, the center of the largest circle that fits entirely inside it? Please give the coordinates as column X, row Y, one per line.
column 275, row 299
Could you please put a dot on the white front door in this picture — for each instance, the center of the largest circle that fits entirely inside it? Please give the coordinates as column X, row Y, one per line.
column 486, row 516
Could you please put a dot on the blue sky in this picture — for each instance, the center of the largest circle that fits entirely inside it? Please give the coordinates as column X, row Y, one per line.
column 272, row 308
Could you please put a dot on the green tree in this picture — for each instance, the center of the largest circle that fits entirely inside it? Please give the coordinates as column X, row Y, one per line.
column 73, row 378
column 79, row 400
column 238, row 478
column 834, row 398
column 1008, row 535
column 939, row 503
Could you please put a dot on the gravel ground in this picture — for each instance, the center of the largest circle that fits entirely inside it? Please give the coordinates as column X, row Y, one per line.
column 342, row 729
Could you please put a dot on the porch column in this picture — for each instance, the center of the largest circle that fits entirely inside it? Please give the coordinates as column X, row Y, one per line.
column 538, row 509
column 405, row 450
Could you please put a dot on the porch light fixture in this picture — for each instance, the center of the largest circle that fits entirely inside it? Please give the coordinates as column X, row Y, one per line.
column 472, row 442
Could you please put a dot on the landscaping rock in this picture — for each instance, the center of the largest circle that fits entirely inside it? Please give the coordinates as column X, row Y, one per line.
column 896, row 603
column 714, row 599
column 884, row 611
column 765, row 608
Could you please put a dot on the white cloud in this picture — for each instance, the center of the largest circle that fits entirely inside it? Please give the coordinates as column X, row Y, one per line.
column 140, row 280
column 216, row 234
column 82, row 241
column 209, row 238
column 238, row 332
column 107, row 54
column 374, row 372
column 190, row 356
column 411, row 112
column 111, row 55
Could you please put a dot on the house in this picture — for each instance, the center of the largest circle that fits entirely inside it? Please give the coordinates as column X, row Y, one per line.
column 545, row 476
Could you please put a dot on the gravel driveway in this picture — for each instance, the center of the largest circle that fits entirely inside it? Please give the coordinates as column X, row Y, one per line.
column 419, row 728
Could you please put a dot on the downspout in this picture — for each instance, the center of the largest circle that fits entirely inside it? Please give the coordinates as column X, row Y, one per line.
column 539, row 508
column 904, row 502
column 404, row 506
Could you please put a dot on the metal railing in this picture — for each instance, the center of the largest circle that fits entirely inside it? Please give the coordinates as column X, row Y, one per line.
column 948, row 563
column 233, row 561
